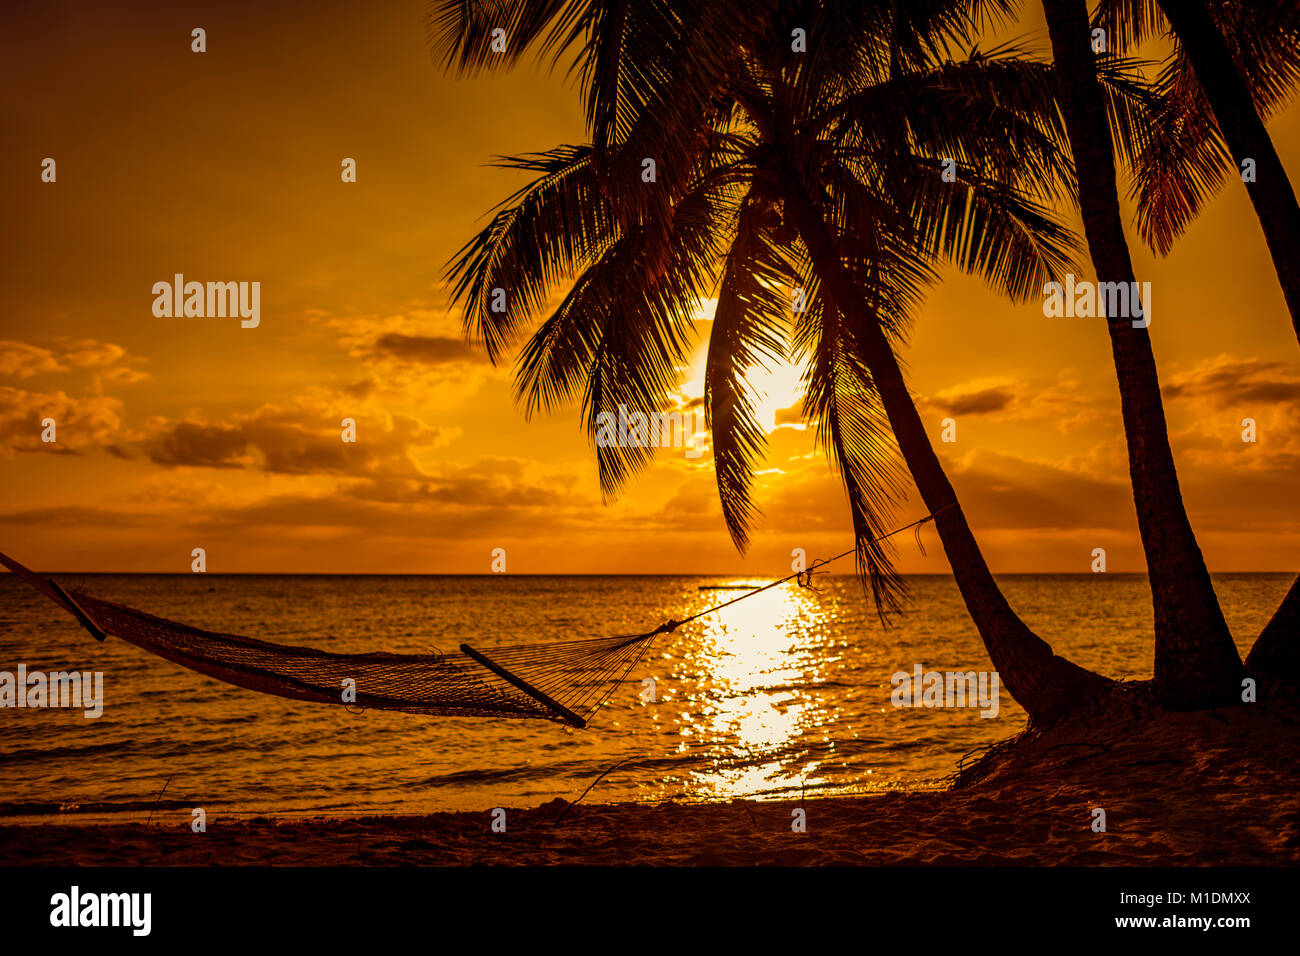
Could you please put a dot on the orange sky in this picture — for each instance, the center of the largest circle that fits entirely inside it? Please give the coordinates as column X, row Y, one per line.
column 176, row 433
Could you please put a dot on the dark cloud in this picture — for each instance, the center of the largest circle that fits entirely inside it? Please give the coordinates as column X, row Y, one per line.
column 996, row 492
column 1003, row 491
column 426, row 349
column 985, row 401
column 199, row 444
column 1236, row 380
column 297, row 442
column 361, row 389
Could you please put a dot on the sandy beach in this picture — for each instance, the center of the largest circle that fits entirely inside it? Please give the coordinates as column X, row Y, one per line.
column 1177, row 789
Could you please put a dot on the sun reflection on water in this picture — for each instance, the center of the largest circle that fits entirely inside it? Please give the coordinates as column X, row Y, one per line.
column 757, row 678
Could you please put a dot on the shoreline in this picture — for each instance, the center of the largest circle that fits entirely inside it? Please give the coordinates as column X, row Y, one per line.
column 1212, row 788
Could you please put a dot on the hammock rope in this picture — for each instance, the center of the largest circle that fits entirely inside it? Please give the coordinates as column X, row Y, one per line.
column 565, row 681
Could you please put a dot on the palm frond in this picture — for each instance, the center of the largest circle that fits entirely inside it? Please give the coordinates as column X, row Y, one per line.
column 538, row 238
column 749, row 330
column 1181, row 164
column 1130, row 103
column 1129, row 23
column 621, row 334
column 989, row 229
column 1264, row 37
column 1165, row 131
column 462, row 32
column 841, row 402
column 871, row 220
column 994, row 111
column 634, row 370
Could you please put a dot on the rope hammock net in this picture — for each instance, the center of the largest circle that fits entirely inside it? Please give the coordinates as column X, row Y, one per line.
column 563, row 681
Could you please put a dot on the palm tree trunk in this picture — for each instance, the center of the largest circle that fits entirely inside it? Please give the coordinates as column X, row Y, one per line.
column 1196, row 662
column 1277, row 649
column 1243, row 129
column 1046, row 685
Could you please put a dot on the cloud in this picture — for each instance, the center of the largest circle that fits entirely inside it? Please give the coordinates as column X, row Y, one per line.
column 201, row 445
column 124, row 375
column 696, row 498
column 418, row 351
column 426, row 349
column 997, row 491
column 1006, row 399
column 302, row 440
column 361, row 389
column 80, row 423
column 1211, row 402
column 789, row 416
column 88, row 353
column 502, row 498
column 1236, row 381
column 20, row 360
column 1010, row 492
column 23, row 360
column 979, row 401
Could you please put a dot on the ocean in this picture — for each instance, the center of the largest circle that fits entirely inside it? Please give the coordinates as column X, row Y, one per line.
column 787, row 692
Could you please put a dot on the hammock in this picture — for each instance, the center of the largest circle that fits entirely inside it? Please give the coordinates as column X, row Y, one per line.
column 564, row 682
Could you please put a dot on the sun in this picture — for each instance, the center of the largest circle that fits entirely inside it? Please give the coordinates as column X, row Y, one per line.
column 779, row 387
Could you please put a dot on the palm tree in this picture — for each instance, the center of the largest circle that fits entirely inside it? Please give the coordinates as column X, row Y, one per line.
column 822, row 172
column 1196, row 662
column 1233, row 64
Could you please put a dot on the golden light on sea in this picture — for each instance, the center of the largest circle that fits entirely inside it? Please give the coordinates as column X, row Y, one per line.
column 754, row 654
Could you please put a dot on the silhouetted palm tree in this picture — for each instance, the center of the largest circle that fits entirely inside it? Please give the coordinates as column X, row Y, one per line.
column 664, row 94
column 1196, row 662
column 1233, row 64
column 822, row 172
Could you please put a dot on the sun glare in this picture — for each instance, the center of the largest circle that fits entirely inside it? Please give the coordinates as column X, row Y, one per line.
column 779, row 387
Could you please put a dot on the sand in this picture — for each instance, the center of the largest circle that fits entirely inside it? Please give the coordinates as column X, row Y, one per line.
column 1209, row 788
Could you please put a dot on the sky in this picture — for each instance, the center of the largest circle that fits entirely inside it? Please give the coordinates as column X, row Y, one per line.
column 186, row 432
